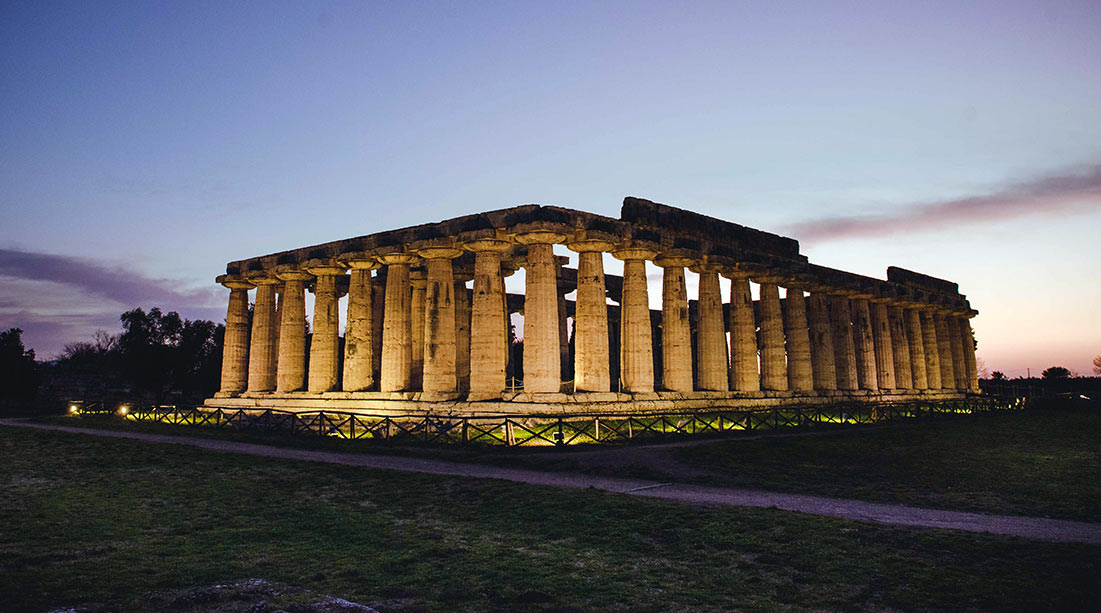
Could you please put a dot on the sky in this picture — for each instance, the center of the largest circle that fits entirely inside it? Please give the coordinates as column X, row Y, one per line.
column 144, row 145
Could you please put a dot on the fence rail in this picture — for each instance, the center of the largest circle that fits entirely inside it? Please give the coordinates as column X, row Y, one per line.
column 544, row 430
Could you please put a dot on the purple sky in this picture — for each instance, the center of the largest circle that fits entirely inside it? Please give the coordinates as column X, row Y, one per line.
column 144, row 145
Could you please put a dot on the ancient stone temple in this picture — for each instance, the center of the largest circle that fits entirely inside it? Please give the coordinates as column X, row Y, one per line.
column 428, row 321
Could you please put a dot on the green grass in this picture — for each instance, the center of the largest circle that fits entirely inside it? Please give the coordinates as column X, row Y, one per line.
column 90, row 520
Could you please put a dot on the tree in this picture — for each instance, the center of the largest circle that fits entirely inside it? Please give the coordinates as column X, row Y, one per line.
column 19, row 375
column 160, row 352
column 997, row 375
column 1097, row 365
column 1056, row 372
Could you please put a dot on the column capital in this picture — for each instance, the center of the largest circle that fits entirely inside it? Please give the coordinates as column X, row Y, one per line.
column 772, row 278
column 393, row 255
column 358, row 260
column 263, row 277
column 234, row 282
column 541, row 233
column 675, row 258
column 585, row 241
column 436, row 249
column 292, row 272
column 492, row 245
column 324, row 267
column 635, row 250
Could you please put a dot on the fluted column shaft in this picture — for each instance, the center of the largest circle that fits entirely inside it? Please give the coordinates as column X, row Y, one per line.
column 636, row 356
column 944, row 348
column 797, row 335
column 971, row 363
column 932, row 350
column 397, row 350
column 917, row 348
column 542, row 365
column 676, row 334
column 291, row 371
column 236, row 345
column 462, row 336
column 773, row 359
column 959, row 369
column 439, row 325
column 823, row 368
column 488, row 325
column 263, row 346
column 711, row 335
column 592, row 365
column 324, row 344
column 884, row 345
column 843, row 346
column 743, row 337
column 359, row 332
column 900, row 349
column 418, row 282
column 864, row 343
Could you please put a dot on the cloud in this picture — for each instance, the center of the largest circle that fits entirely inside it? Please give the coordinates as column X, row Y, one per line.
column 1046, row 195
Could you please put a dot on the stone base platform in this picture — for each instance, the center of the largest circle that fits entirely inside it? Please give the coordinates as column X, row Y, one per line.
column 521, row 403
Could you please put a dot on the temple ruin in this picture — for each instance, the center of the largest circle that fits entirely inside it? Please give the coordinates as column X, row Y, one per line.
column 428, row 321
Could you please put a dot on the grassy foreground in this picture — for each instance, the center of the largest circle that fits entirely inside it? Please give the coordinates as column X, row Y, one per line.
column 101, row 521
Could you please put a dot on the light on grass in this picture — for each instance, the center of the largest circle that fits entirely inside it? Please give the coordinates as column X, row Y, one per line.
column 72, row 408
column 123, row 409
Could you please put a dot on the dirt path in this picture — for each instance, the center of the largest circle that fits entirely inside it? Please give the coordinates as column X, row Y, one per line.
column 1035, row 528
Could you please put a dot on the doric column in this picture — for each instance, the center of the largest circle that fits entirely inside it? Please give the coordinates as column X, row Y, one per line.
column 378, row 309
column 864, row 344
column 359, row 331
column 488, row 321
column 440, row 376
column 881, row 335
column 971, row 364
column 932, row 348
column 773, row 359
column 591, row 360
column 900, row 349
column 542, row 358
column 917, row 347
column 844, row 349
column 418, row 281
column 462, row 332
column 676, row 334
column 797, row 334
column 235, row 348
column 743, row 335
column 397, row 350
column 564, row 365
column 325, row 341
column 291, row 371
column 636, row 350
column 711, row 357
column 263, row 344
column 823, row 368
column 959, row 369
column 944, row 348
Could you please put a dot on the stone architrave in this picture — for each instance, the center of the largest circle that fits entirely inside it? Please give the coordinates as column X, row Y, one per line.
column 235, row 350
column 711, row 334
column 291, row 370
column 676, row 339
column 773, row 355
column 900, row 349
column 397, row 348
column 955, row 345
column 542, row 353
column 440, row 377
column 932, row 349
column 823, row 367
column 263, row 343
column 944, row 348
column 967, row 338
column 636, row 350
column 864, row 344
column 488, row 321
column 797, row 335
column 359, row 331
column 917, row 347
column 592, row 365
column 884, row 354
column 325, row 340
column 744, row 376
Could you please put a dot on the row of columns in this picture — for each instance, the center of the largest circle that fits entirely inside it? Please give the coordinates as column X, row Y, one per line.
column 434, row 340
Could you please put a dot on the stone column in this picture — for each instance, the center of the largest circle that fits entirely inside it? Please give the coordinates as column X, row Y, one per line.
column 440, row 379
column 971, row 364
column 291, row 371
column 917, row 347
column 797, row 333
column 636, row 349
column 592, row 365
column 542, row 358
column 823, row 367
column 743, row 335
column 864, row 343
column 418, row 280
column 944, row 348
column 359, row 331
column 900, row 349
column 488, row 321
column 378, row 309
column 843, row 346
column 325, row 342
column 564, row 365
column 397, row 350
column 773, row 359
column 462, row 333
column 932, row 348
column 959, row 369
column 236, row 346
column 264, row 342
column 711, row 357
column 676, row 334
column 884, row 355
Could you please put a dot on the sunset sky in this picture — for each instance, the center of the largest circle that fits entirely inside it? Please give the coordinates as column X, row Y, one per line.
column 146, row 144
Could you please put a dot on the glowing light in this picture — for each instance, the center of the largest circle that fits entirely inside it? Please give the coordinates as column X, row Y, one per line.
column 72, row 408
column 123, row 409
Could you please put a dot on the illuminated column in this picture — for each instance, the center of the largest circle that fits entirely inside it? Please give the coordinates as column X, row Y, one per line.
column 959, row 369
column 235, row 348
column 881, row 336
column 773, row 360
column 325, row 343
column 418, row 280
column 900, row 349
column 263, row 344
column 932, row 348
column 676, row 335
column 917, row 346
column 864, row 343
column 796, row 331
column 711, row 334
column 397, row 350
column 968, row 340
column 823, row 368
column 462, row 333
column 359, row 331
column 592, row 365
column 636, row 350
column 844, row 349
column 291, row 371
column 542, row 360
column 564, row 365
column 378, row 309
column 944, row 348
column 488, row 321
column 440, row 377
column 743, row 335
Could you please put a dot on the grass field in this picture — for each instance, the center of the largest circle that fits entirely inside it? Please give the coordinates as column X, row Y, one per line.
column 100, row 521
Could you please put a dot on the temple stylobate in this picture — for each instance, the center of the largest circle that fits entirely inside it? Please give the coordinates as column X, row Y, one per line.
column 428, row 321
